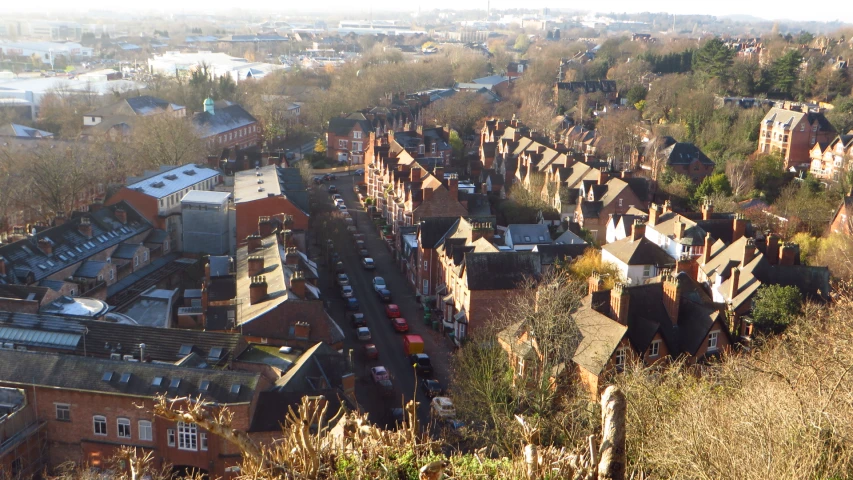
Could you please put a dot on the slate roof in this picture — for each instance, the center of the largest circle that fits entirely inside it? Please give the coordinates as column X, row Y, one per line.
column 683, row 153
column 600, row 335
column 89, row 269
column 639, row 252
column 222, row 120
column 70, row 247
column 693, row 233
column 432, row 230
column 157, row 236
column 342, row 126
column 125, row 251
column 220, row 266
column 140, row 106
column 15, row 130
column 73, row 372
column 549, row 254
column 792, row 117
column 501, row 270
column 528, row 234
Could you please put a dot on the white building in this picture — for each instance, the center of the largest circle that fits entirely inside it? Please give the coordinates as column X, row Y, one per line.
column 44, row 50
column 637, row 258
column 220, row 64
column 33, row 89
column 205, row 222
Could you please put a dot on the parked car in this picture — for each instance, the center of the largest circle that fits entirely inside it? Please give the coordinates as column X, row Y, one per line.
column 357, row 319
column 337, row 202
column 378, row 283
column 442, row 408
column 333, row 189
column 358, row 172
column 342, row 279
column 332, row 176
column 392, row 310
column 363, row 334
column 384, row 295
column 342, row 209
column 431, row 387
column 318, row 180
column 371, row 352
column 422, row 364
column 352, row 304
column 367, row 263
column 379, row 373
column 400, row 325
column 355, row 189
column 363, row 253
column 351, row 229
column 335, row 257
column 346, row 291
column 339, row 267
column 359, row 244
column 338, row 196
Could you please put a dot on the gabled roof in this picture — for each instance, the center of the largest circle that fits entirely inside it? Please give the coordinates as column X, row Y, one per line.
column 137, row 106
column 89, row 269
column 528, row 234
column 15, row 130
column 683, row 153
column 500, row 271
column 342, row 126
column 600, row 335
column 638, row 252
column 222, row 120
column 432, row 229
column 126, row 251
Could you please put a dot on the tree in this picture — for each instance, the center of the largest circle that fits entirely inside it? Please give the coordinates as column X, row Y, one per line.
column 590, row 262
column 619, row 139
column 775, row 306
column 713, row 60
column 769, row 174
column 58, row 178
column 717, row 184
column 739, row 173
column 636, row 94
column 784, row 72
column 457, row 145
column 462, row 111
column 165, row 140
column 522, row 43
column 320, row 148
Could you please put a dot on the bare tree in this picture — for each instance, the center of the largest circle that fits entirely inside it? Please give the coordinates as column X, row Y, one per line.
column 164, row 140
column 739, row 173
column 59, row 177
column 619, row 139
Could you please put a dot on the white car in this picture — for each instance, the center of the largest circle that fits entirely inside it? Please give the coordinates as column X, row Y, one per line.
column 379, row 284
column 363, row 334
column 442, row 407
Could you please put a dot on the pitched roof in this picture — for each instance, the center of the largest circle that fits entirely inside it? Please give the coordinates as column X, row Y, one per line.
column 600, row 335
column 683, row 153
column 342, row 126
column 528, row 234
column 432, row 229
column 500, row 271
column 170, row 180
column 89, row 269
column 125, row 251
column 140, row 106
column 15, row 130
column 74, row 372
column 638, row 252
column 223, row 120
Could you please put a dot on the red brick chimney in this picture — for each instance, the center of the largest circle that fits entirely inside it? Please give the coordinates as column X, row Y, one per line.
column 291, row 256
column 45, row 246
column 787, row 252
column 482, row 230
column 772, row 252
column 654, row 214
column 706, row 253
column 348, row 385
column 287, row 238
column 121, row 215
column 619, row 300
column 415, row 174
column 748, row 252
column 603, row 176
column 257, row 290
column 707, row 210
column 301, row 330
column 596, row 284
column 438, row 172
column 680, row 228
column 427, row 193
column 738, row 227
column 734, row 286
column 255, row 265
column 453, row 187
column 297, row 283
column 672, row 296
column 253, row 242
column 264, row 227
column 638, row 230
column 85, row 227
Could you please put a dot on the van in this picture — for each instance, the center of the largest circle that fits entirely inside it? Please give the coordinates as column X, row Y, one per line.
column 413, row 344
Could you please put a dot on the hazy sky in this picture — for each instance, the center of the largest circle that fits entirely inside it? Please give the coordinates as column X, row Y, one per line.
column 779, row 9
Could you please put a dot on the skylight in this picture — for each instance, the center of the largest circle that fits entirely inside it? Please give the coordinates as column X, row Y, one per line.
column 125, row 378
column 157, row 381
column 175, row 383
column 235, row 389
column 215, row 353
column 108, row 376
column 185, row 350
column 205, row 386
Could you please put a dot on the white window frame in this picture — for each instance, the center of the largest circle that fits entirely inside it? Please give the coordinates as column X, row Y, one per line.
column 426, row 287
column 145, row 256
column 136, row 260
column 647, row 271
column 202, row 441
column 620, row 357
column 112, row 274
column 356, row 134
column 654, row 349
column 145, row 429
column 123, row 428
column 102, row 421
column 187, row 436
column 713, row 341
column 63, row 412
column 520, row 370
column 170, row 437
column 342, row 143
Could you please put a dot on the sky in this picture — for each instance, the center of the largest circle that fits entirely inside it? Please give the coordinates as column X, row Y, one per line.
column 780, row 9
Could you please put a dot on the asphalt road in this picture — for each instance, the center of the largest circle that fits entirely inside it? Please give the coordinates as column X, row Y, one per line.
column 387, row 340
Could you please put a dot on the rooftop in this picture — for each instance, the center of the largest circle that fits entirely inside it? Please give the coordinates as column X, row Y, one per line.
column 223, row 119
column 153, row 308
column 170, row 180
column 206, row 197
column 270, row 181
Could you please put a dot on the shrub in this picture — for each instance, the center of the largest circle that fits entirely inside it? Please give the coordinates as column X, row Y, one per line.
column 775, row 306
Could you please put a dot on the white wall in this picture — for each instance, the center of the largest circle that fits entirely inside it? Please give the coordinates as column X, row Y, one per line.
column 669, row 245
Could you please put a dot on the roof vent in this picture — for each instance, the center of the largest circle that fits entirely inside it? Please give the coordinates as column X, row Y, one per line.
column 260, row 181
column 189, row 172
column 107, row 377
column 171, row 177
column 260, row 189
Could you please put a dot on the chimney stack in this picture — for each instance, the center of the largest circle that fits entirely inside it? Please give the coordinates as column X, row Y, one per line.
column 301, row 330
column 438, row 172
column 748, row 252
column 735, row 283
column 288, row 238
column 772, row 250
column 253, row 242
column 619, row 300
column 427, row 193
column 297, row 283
column 667, row 206
column 257, row 290
column 603, row 176
column 255, row 265
column 787, row 254
column 85, row 227
column 707, row 210
column 596, row 284
column 121, row 215
column 638, row 230
column 680, row 228
column 453, row 186
column 482, row 230
column 45, row 246
column 706, row 253
column 415, row 174
column 264, row 227
column 672, row 296
column 291, row 256
column 654, row 214
column 738, row 227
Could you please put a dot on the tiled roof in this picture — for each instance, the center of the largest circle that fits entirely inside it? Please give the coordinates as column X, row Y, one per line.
column 500, row 271
column 89, row 269
column 638, row 252
column 126, row 251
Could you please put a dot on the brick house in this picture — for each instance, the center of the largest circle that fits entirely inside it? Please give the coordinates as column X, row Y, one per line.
column 601, row 198
column 638, row 259
column 829, row 161
column 157, row 196
column 227, row 126
column 424, row 268
column 792, row 134
column 516, row 69
column 270, row 192
column 841, row 221
column 346, row 138
column 681, row 157
column 90, row 407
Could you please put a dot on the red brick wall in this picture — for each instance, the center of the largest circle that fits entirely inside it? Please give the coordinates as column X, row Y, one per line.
column 249, row 212
column 146, row 205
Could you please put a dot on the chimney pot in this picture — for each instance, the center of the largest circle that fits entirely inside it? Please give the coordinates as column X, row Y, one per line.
column 257, row 289
column 297, row 283
column 619, row 300
column 85, row 227
column 255, row 265
column 253, row 242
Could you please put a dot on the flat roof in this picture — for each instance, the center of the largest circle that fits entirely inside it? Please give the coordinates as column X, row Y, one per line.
column 172, row 181
column 247, row 188
column 204, row 196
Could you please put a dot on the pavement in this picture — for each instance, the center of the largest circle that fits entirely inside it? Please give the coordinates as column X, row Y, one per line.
column 387, row 340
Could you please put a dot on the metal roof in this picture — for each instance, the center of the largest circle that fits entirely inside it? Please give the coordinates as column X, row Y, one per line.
column 39, row 338
column 171, row 181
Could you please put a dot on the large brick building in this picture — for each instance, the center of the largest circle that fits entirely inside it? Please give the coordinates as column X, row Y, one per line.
column 227, row 125
column 792, row 134
column 270, row 192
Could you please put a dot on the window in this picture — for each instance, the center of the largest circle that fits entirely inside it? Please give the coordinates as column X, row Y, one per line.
column 802, row 127
column 63, row 412
column 712, row 340
column 426, row 265
column 426, row 287
column 145, row 430
column 356, row 135
column 123, row 428
column 202, row 441
column 356, row 146
column 433, row 148
column 620, row 202
column 145, row 256
column 421, row 149
column 647, row 271
column 620, row 358
column 112, row 274
column 100, row 424
column 100, row 278
column 135, row 260
column 520, row 370
column 342, row 144
column 187, row 438
column 654, row 349
column 170, row 437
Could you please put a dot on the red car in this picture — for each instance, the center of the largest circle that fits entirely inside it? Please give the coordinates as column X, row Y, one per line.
column 371, row 352
column 392, row 310
column 401, row 325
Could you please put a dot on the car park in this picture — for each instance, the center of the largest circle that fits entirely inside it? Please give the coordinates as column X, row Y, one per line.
column 400, row 325
column 422, row 364
column 346, row 291
column 431, row 387
column 368, row 263
column 442, row 408
column 357, row 319
column 342, row 279
column 392, row 310
column 371, row 352
column 378, row 283
column 333, row 189
column 352, row 304
column 384, row 295
column 363, row 334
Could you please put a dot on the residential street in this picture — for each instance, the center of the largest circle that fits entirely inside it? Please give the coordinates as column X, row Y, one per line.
column 386, row 339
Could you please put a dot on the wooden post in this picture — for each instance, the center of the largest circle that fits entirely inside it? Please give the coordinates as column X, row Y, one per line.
column 612, row 450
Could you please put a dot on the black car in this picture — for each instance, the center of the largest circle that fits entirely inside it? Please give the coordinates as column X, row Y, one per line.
column 333, row 189
column 384, row 295
column 431, row 387
column 357, row 320
column 422, row 364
